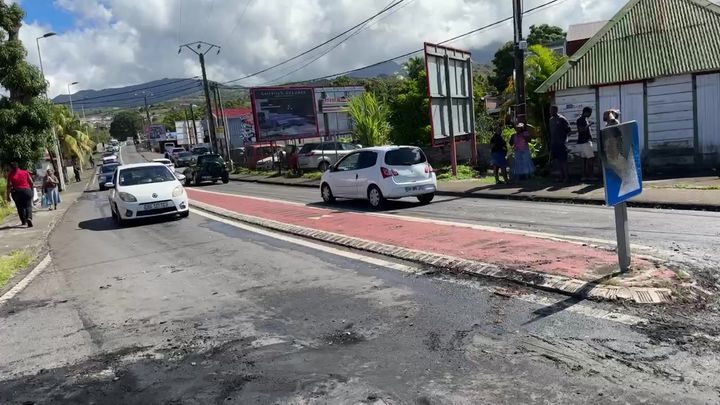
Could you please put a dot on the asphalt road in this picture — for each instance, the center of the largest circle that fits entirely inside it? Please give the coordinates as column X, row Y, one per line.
column 203, row 311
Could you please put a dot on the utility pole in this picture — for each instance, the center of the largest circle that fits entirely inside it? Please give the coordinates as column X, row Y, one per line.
column 147, row 108
column 187, row 128
column 201, row 48
column 225, row 124
column 520, row 47
column 57, row 152
column 192, row 116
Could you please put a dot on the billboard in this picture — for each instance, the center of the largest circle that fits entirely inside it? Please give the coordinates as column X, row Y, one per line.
column 619, row 150
column 332, row 105
column 284, row 113
column 450, row 102
column 155, row 132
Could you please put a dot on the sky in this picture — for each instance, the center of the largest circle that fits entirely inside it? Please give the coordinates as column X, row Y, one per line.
column 114, row 43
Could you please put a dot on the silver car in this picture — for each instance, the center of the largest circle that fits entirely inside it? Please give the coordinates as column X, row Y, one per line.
column 323, row 155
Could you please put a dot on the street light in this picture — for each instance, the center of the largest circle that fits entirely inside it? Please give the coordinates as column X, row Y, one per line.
column 58, row 156
column 70, row 95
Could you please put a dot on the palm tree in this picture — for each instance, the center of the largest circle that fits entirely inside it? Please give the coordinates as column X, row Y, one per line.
column 72, row 134
column 371, row 126
column 414, row 67
column 540, row 65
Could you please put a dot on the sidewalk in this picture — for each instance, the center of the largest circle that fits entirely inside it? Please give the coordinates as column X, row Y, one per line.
column 14, row 237
column 702, row 193
column 569, row 267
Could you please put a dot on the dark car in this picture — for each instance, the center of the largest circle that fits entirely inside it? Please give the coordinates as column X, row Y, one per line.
column 210, row 167
column 184, row 159
column 105, row 174
column 200, row 150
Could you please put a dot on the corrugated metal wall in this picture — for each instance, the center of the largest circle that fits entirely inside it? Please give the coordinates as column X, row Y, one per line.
column 632, row 107
column 570, row 103
column 708, row 109
column 670, row 113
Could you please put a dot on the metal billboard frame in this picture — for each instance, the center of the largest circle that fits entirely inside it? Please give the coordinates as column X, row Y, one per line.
column 451, row 104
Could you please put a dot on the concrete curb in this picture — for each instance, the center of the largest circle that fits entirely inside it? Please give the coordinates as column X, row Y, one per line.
column 516, row 197
column 451, row 264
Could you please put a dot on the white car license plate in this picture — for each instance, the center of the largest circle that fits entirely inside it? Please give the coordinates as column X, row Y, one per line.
column 156, row 206
column 414, row 188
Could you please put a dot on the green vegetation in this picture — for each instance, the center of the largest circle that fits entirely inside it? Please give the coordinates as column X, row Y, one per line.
column 125, row 125
column 464, row 172
column 5, row 208
column 25, row 116
column 73, row 135
column 312, row 175
column 12, row 263
column 371, row 120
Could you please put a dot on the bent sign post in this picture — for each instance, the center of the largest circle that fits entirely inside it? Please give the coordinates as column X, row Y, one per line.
column 619, row 150
column 449, row 75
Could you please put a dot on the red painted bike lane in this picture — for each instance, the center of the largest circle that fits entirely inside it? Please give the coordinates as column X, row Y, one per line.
column 495, row 247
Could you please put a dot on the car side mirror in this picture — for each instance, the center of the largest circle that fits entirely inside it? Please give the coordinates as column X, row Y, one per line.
column 109, row 185
column 180, row 177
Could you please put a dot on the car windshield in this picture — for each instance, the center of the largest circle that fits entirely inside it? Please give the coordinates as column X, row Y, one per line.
column 308, row 147
column 109, row 168
column 106, row 154
column 404, row 157
column 200, row 151
column 145, row 175
column 210, row 159
column 184, row 154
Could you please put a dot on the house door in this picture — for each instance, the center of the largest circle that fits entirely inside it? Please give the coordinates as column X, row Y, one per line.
column 708, row 112
column 609, row 99
column 632, row 107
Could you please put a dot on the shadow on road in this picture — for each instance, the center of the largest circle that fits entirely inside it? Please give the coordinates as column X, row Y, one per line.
column 108, row 224
column 7, row 227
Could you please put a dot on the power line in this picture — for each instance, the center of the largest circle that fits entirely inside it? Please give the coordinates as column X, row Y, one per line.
column 150, row 96
column 317, row 46
column 247, row 3
column 485, row 27
column 359, row 30
column 131, row 91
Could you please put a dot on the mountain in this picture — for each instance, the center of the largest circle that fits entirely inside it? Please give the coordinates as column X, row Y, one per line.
column 157, row 91
column 383, row 69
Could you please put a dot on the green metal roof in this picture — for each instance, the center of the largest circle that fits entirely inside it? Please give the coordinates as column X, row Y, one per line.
column 644, row 40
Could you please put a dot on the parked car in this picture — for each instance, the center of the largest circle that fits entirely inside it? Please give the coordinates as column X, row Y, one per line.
column 112, row 158
column 210, row 167
column 323, row 155
column 258, row 152
column 145, row 190
column 170, row 165
column 380, row 173
column 105, row 173
column 200, row 150
column 184, row 159
column 173, row 153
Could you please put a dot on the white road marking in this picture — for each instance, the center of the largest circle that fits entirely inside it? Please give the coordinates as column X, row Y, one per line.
column 44, row 263
column 585, row 309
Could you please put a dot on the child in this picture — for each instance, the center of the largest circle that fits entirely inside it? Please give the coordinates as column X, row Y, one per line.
column 499, row 155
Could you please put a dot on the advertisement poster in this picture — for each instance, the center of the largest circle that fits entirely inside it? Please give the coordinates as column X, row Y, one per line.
column 619, row 149
column 284, row 113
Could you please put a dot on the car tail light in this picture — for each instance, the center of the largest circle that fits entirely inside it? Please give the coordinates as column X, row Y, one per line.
column 387, row 172
column 428, row 168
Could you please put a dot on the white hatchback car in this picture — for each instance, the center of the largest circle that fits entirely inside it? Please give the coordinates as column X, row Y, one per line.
column 380, row 173
column 146, row 190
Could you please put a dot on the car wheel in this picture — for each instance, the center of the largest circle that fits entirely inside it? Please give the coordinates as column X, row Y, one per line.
column 327, row 194
column 323, row 166
column 426, row 198
column 375, row 197
column 226, row 178
column 188, row 181
column 102, row 188
column 197, row 180
column 118, row 219
column 185, row 214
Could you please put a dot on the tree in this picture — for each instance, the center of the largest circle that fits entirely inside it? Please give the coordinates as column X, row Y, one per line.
column 414, row 67
column 371, row 127
column 73, row 135
column 503, row 67
column 409, row 113
column 125, row 125
column 539, row 66
column 25, row 117
column 545, row 35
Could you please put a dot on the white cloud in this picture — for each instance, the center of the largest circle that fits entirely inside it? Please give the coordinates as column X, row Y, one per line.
column 121, row 42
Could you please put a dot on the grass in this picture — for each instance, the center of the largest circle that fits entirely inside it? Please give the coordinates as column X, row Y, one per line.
column 695, row 187
column 312, row 175
column 5, row 208
column 12, row 263
column 464, row 172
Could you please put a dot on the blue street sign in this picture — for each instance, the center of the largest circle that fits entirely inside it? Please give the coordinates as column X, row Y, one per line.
column 619, row 150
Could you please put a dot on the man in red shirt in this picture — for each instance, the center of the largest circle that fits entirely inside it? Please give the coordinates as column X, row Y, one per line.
column 20, row 186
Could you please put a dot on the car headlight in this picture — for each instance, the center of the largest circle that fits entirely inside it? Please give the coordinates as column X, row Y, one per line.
column 178, row 191
column 127, row 197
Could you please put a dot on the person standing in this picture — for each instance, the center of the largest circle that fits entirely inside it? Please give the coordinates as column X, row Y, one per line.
column 20, row 187
column 50, row 188
column 585, row 144
column 559, row 131
column 499, row 155
column 76, row 171
column 523, row 166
